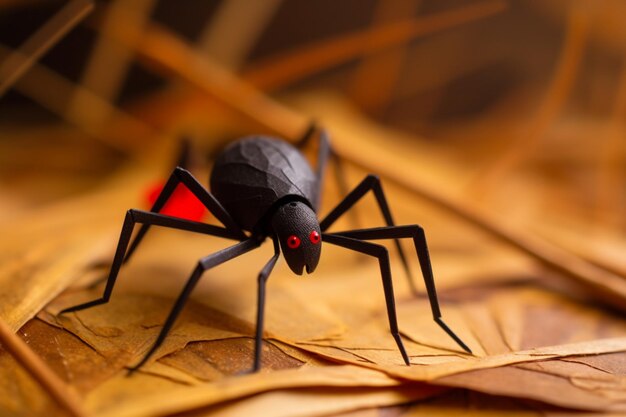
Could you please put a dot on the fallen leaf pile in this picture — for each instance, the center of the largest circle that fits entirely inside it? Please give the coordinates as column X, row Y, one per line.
column 535, row 288
column 327, row 349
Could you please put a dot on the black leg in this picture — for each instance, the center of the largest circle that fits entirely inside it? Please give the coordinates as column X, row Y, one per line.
column 381, row 253
column 340, row 177
column 204, row 264
column 323, row 150
column 147, row 218
column 323, row 155
column 260, row 312
column 180, row 175
column 419, row 240
column 370, row 183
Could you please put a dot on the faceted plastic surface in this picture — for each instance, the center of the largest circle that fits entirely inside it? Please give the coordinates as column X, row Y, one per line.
column 252, row 174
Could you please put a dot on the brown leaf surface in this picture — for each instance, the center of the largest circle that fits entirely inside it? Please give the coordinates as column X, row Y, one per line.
column 307, row 402
column 553, row 382
column 524, row 274
column 314, row 328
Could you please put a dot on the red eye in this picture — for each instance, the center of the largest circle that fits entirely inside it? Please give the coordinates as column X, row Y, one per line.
column 314, row 237
column 293, row 242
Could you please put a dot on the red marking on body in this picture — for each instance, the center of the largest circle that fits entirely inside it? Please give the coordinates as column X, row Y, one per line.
column 182, row 203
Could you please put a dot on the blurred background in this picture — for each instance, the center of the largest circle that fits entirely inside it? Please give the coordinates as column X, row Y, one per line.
column 497, row 125
column 523, row 101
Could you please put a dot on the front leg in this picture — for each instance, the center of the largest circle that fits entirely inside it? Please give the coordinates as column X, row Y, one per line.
column 146, row 218
column 260, row 312
column 370, row 183
column 204, row 264
column 419, row 240
column 178, row 176
column 382, row 254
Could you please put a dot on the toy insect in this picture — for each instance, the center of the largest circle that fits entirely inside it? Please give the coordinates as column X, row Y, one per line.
column 264, row 188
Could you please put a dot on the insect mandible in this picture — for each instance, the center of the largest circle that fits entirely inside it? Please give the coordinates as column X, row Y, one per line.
column 262, row 188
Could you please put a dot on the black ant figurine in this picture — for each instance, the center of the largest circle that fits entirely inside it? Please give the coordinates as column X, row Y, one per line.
column 266, row 187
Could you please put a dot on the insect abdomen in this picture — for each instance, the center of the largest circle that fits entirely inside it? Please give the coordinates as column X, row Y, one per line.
column 250, row 175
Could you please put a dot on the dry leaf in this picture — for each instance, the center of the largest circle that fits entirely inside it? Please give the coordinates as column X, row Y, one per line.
column 577, row 387
column 540, row 347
